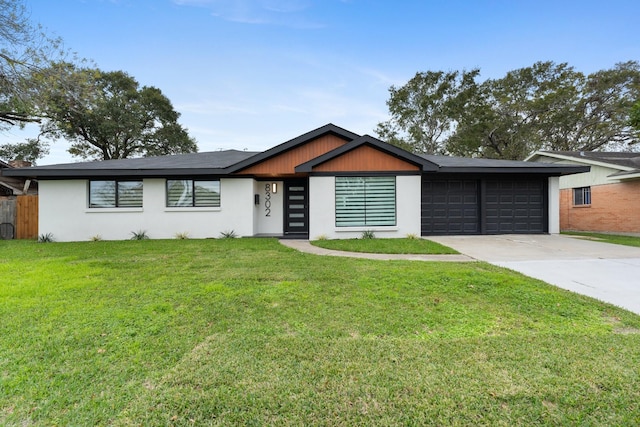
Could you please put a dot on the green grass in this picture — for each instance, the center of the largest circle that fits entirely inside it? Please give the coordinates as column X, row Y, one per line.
column 608, row 238
column 386, row 246
column 248, row 332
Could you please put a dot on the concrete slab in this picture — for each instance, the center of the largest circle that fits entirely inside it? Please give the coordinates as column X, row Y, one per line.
column 610, row 273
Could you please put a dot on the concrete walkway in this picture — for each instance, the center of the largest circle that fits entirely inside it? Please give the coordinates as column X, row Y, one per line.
column 305, row 246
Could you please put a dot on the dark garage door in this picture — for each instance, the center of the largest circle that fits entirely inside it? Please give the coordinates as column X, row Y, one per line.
column 515, row 206
column 483, row 206
column 450, row 206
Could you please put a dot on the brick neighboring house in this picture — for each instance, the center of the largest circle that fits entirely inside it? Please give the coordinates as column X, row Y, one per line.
column 606, row 199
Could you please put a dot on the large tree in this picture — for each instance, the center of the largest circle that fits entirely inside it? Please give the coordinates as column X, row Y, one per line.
column 545, row 106
column 25, row 49
column 424, row 111
column 634, row 116
column 107, row 115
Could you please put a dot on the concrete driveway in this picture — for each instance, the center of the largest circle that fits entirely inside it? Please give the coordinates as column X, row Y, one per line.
column 604, row 271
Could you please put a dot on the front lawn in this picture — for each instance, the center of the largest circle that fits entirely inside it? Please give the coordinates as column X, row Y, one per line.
column 386, row 246
column 248, row 332
column 607, row 238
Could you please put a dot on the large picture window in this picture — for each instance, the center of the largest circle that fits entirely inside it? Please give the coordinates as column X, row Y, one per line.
column 115, row 194
column 365, row 201
column 582, row 196
column 191, row 193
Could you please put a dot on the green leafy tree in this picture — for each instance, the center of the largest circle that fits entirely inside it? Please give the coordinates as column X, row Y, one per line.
column 424, row 111
column 24, row 50
column 16, row 36
column 515, row 115
column 634, row 116
column 545, row 106
column 31, row 151
column 107, row 115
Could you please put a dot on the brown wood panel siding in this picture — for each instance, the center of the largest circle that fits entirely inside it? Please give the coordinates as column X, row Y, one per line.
column 365, row 159
column 285, row 163
column 27, row 217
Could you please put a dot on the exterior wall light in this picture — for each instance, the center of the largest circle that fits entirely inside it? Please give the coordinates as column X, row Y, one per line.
column 274, row 187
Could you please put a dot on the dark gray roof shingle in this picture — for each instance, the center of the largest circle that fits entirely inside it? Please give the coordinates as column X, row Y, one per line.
column 213, row 162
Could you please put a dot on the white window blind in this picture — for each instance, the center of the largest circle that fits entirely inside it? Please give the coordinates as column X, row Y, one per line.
column 187, row 192
column 365, row 201
column 112, row 194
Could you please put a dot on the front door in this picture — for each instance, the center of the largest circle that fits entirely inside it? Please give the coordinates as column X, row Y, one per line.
column 296, row 208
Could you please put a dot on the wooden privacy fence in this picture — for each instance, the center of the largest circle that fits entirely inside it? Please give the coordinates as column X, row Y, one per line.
column 27, row 217
column 19, row 217
column 7, row 218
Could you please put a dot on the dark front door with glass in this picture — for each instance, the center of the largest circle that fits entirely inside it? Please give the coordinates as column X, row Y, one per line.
column 296, row 208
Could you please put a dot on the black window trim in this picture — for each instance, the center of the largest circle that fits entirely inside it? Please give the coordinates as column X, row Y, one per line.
column 117, row 193
column 193, row 192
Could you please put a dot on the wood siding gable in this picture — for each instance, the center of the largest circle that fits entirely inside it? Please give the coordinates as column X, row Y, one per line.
column 366, row 159
column 285, row 163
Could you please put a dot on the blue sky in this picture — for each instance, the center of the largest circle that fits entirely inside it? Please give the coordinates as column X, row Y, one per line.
column 250, row 74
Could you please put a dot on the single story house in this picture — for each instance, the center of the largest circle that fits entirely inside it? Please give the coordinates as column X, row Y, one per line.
column 328, row 182
column 606, row 198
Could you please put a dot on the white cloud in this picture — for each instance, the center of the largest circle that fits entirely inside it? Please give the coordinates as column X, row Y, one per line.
column 287, row 13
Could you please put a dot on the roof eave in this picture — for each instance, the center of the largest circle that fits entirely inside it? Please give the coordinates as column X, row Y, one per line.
column 625, row 176
column 545, row 170
column 97, row 173
column 579, row 160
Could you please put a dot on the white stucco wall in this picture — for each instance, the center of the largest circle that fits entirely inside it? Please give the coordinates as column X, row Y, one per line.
column 554, row 204
column 64, row 212
column 322, row 210
column 269, row 213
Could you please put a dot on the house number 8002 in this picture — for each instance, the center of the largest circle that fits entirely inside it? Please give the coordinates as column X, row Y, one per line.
column 267, row 200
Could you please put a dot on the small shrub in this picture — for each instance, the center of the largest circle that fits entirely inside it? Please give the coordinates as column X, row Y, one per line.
column 368, row 234
column 228, row 234
column 96, row 238
column 182, row 236
column 45, row 238
column 322, row 237
column 139, row 235
column 412, row 236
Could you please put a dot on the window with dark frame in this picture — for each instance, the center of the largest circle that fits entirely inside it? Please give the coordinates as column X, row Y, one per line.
column 365, row 201
column 193, row 193
column 582, row 196
column 115, row 194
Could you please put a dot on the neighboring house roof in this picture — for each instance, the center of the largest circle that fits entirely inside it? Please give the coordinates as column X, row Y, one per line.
column 234, row 162
column 14, row 186
column 627, row 164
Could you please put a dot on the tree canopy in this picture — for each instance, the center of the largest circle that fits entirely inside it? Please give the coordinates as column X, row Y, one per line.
column 107, row 115
column 22, row 48
column 104, row 115
column 546, row 106
column 634, row 116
